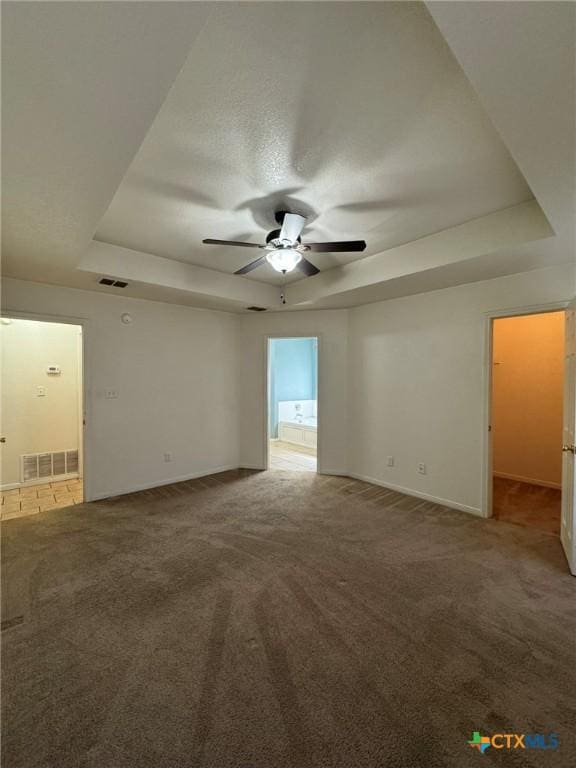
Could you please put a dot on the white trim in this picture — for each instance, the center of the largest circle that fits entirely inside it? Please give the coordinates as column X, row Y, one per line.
column 530, row 480
column 80, row 399
column 418, row 494
column 41, row 481
column 335, row 472
column 255, row 467
column 159, row 484
column 531, row 309
column 84, row 449
column 486, row 437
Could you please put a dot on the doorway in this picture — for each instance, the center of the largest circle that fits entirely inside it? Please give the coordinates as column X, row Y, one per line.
column 41, row 458
column 527, row 419
column 292, row 433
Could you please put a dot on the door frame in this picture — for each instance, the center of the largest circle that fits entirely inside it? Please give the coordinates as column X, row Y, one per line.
column 487, row 451
column 319, row 379
column 85, row 411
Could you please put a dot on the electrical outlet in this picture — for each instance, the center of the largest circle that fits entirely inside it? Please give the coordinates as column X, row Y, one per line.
column 110, row 394
column 422, row 468
column 167, row 457
column 40, row 391
column 389, row 461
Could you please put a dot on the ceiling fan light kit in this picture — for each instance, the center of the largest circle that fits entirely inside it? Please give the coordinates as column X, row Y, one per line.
column 283, row 259
column 285, row 249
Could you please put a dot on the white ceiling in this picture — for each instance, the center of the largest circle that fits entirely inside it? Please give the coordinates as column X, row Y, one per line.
column 152, row 125
column 354, row 113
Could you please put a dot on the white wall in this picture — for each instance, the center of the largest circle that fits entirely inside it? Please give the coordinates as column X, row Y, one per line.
column 174, row 369
column 331, row 326
column 31, row 422
column 403, row 377
column 417, row 388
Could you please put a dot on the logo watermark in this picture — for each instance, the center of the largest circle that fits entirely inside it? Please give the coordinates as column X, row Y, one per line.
column 514, row 741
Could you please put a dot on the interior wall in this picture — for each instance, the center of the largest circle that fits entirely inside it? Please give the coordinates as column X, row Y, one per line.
column 403, row 378
column 41, row 412
column 292, row 365
column 418, row 385
column 173, row 370
column 331, row 327
column 527, row 392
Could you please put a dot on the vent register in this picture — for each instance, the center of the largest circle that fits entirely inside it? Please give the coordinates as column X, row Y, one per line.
column 37, row 466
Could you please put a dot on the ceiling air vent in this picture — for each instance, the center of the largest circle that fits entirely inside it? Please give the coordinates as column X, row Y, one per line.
column 110, row 281
column 257, row 309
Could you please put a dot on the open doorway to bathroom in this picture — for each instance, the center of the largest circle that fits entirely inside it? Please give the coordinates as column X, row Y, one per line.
column 42, row 416
column 527, row 419
column 293, row 404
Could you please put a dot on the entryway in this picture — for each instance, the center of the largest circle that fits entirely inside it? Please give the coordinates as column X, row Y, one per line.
column 526, row 419
column 292, row 404
column 42, row 416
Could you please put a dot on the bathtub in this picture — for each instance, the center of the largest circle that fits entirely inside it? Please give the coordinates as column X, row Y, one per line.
column 308, row 421
column 299, row 432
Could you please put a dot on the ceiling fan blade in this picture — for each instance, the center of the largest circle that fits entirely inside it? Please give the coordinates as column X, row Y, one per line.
column 210, row 241
column 292, row 227
column 346, row 246
column 251, row 266
column 308, row 268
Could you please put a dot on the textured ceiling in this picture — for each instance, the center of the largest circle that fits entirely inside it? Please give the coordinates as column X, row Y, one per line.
column 81, row 83
column 151, row 125
column 355, row 114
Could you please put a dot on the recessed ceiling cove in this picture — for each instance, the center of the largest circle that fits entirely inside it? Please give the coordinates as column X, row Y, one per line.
column 354, row 115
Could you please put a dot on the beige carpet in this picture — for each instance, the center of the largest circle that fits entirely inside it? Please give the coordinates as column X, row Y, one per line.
column 281, row 620
column 525, row 504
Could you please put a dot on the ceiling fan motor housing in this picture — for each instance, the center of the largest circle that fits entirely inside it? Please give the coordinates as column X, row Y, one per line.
column 274, row 237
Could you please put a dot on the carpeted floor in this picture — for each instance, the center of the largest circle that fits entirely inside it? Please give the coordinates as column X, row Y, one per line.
column 281, row 620
column 526, row 504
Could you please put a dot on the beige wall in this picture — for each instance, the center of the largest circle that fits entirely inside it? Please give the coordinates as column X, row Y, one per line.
column 32, row 423
column 404, row 377
column 527, row 389
column 174, row 370
column 331, row 327
column 416, row 388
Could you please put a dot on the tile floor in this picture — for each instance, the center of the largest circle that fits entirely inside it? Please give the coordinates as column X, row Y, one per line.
column 292, row 457
column 32, row 499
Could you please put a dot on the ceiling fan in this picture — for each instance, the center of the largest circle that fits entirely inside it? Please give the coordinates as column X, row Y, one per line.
column 285, row 251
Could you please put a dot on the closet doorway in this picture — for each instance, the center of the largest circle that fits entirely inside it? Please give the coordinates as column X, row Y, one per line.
column 527, row 419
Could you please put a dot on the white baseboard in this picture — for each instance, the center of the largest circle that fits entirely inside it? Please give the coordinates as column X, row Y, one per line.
column 40, row 481
column 195, row 475
column 530, row 480
column 333, row 472
column 419, row 495
column 159, row 483
column 256, row 467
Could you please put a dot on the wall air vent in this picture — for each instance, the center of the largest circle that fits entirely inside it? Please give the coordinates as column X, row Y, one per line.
column 111, row 281
column 257, row 309
column 39, row 466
